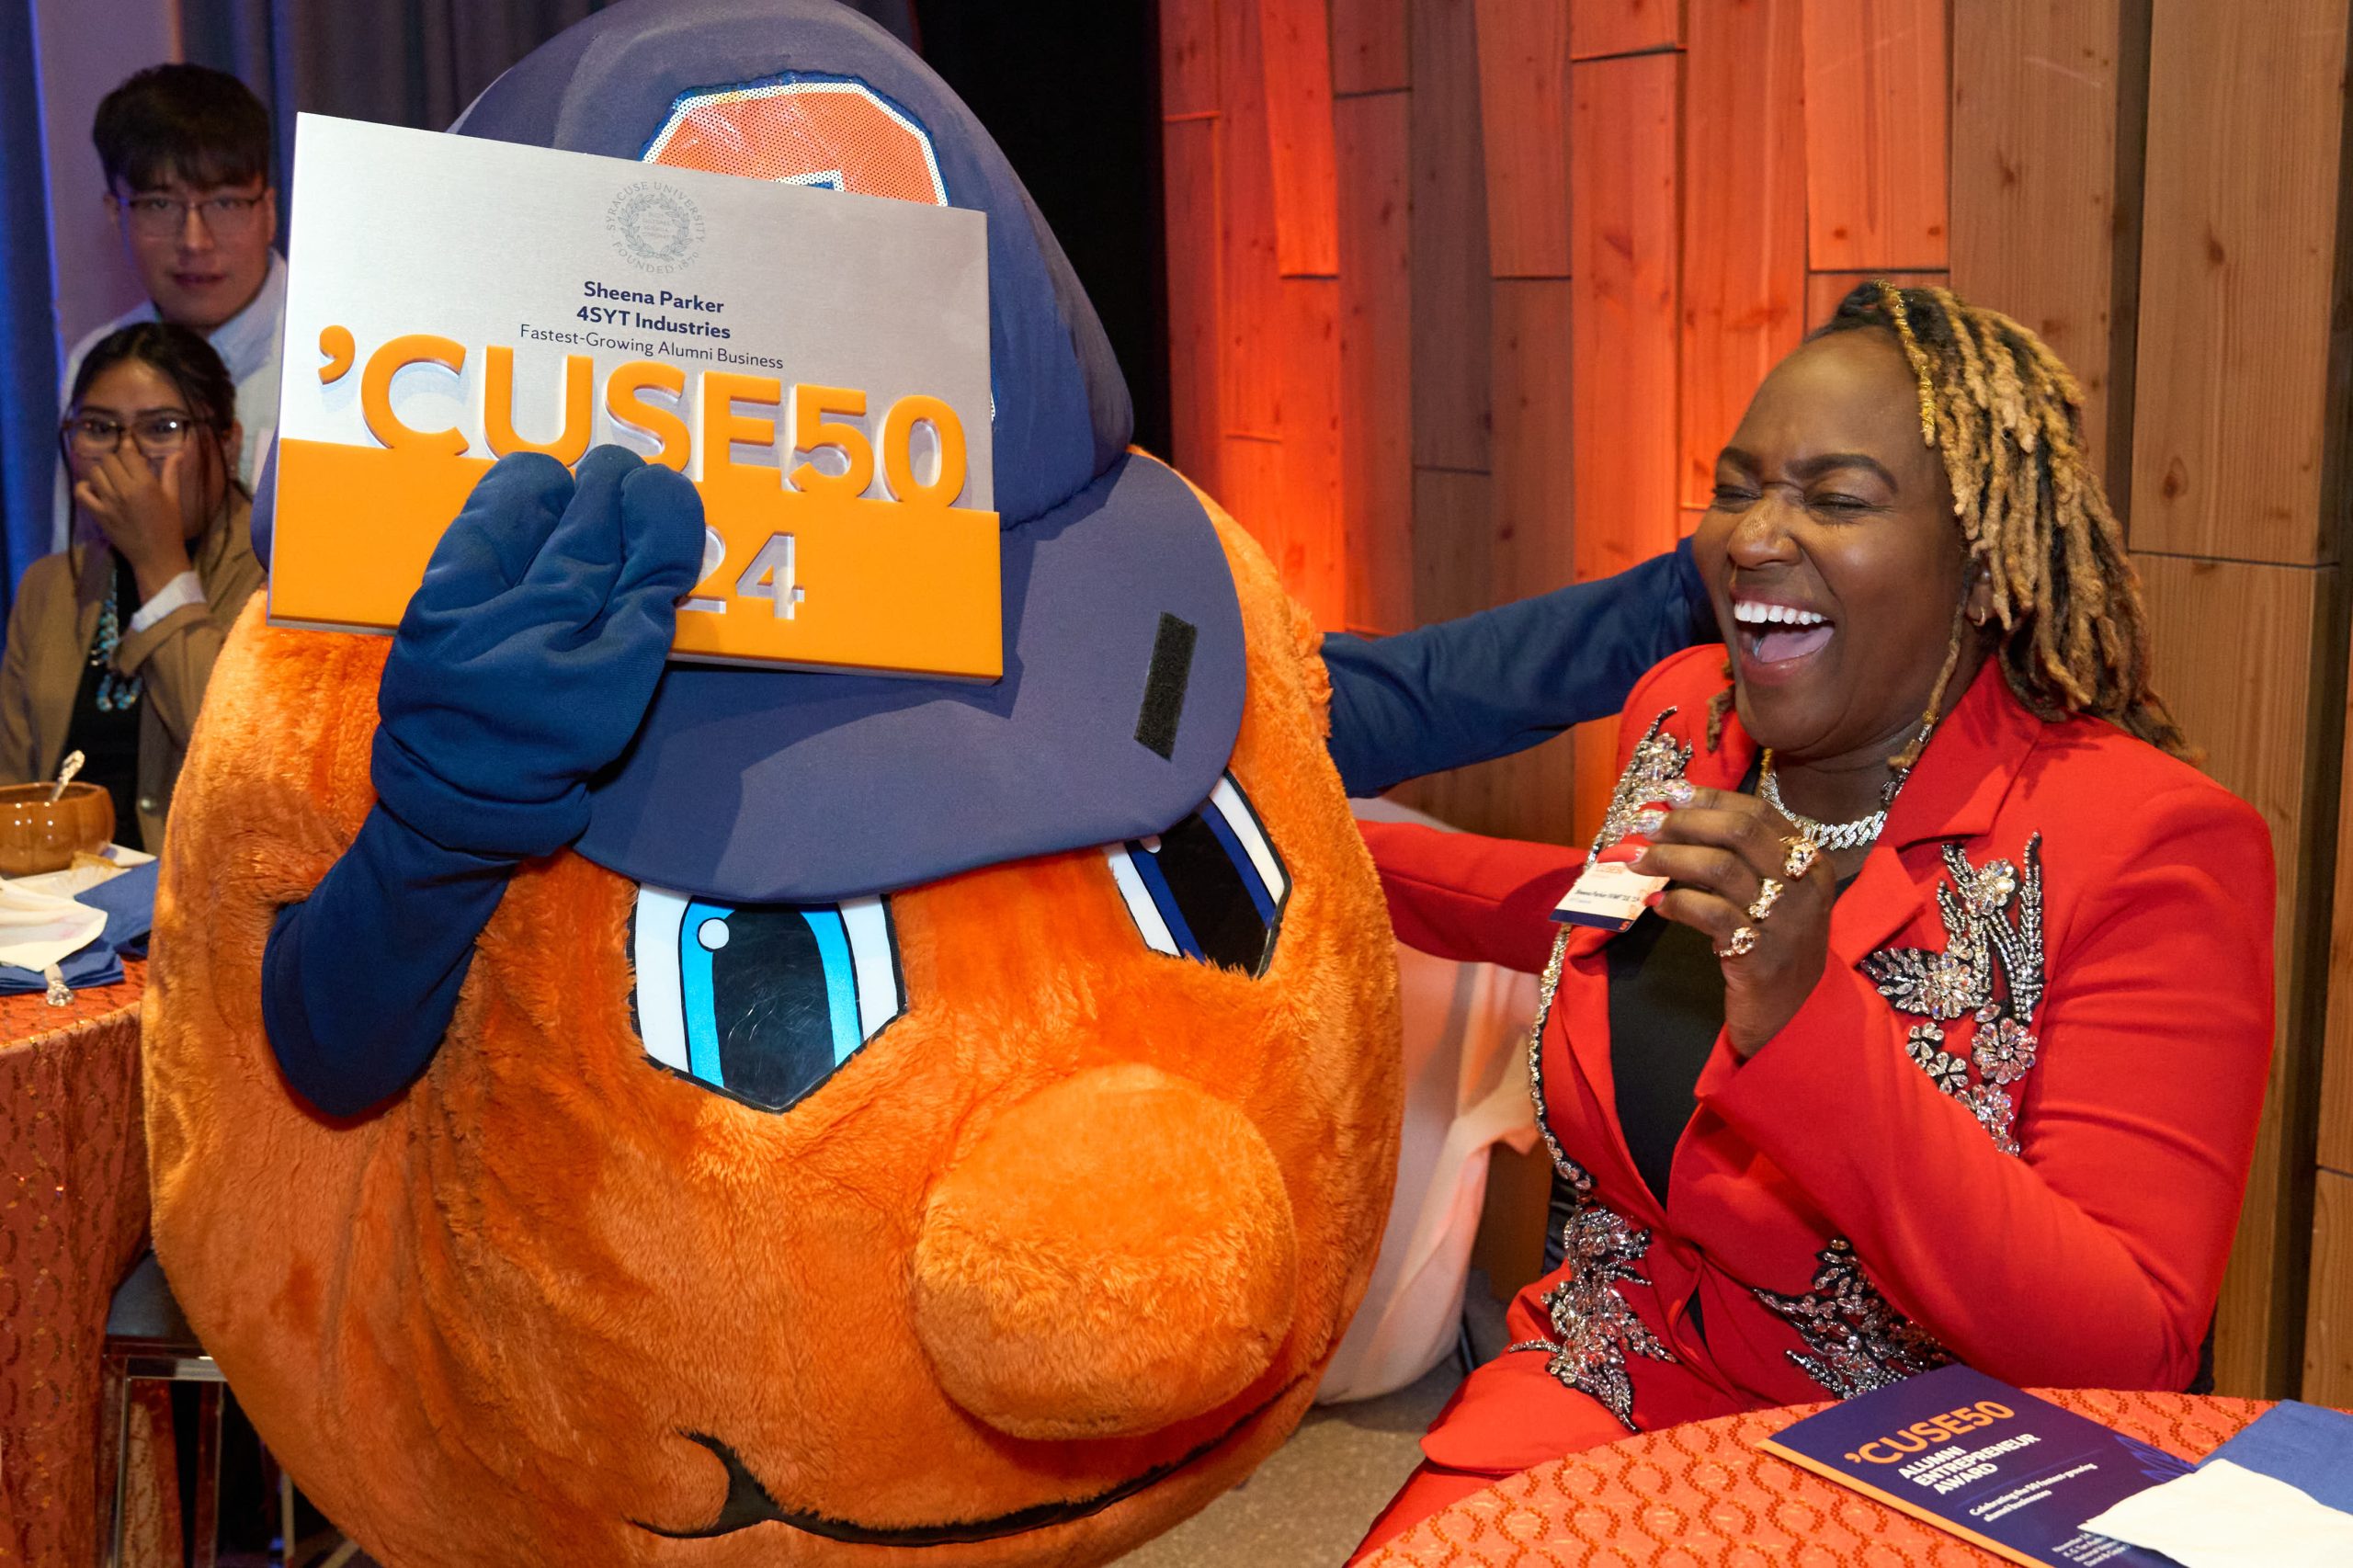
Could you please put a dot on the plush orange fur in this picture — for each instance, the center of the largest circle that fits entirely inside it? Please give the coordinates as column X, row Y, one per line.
column 1050, row 1246
column 1080, row 1211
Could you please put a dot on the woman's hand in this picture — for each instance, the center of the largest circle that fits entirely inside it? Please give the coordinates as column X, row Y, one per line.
column 141, row 507
column 1718, row 850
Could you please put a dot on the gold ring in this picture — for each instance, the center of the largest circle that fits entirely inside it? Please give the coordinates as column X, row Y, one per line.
column 1743, row 943
column 1768, row 896
column 1803, row 853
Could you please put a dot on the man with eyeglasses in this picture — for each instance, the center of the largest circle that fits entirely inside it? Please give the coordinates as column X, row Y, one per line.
column 186, row 155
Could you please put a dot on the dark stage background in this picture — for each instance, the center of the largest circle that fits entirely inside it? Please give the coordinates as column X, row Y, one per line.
column 1071, row 90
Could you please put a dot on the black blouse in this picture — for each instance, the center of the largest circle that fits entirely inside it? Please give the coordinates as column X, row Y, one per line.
column 1666, row 1006
column 109, row 742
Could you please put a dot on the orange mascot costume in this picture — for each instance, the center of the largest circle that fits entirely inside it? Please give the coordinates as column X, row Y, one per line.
column 885, row 1121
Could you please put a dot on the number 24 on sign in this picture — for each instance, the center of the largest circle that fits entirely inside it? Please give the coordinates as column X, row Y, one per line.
column 770, row 573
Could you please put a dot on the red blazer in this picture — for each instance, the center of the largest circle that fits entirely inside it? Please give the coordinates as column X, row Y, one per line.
column 2011, row 1125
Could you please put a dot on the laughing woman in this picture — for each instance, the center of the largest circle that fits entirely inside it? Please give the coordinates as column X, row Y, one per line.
column 1948, row 1036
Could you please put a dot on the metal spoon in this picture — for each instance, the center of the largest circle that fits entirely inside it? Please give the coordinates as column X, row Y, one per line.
column 65, row 772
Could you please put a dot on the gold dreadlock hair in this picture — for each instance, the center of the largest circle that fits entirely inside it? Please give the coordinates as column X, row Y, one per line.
column 2006, row 416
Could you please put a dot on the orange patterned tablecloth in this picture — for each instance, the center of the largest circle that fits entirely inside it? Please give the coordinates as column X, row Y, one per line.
column 73, row 1215
column 1702, row 1496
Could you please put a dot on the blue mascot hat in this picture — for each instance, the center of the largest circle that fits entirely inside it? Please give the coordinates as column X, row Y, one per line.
column 1124, row 684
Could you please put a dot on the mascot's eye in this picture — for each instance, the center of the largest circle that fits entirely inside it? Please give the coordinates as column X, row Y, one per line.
column 763, row 1002
column 1212, row 888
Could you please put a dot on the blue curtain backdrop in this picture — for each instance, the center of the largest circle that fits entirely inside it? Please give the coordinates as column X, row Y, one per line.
column 28, row 329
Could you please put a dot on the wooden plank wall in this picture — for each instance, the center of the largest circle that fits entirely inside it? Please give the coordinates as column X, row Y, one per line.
column 1465, row 294
column 2237, row 522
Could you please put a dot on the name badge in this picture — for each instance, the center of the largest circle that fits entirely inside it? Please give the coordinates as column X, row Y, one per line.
column 1608, row 894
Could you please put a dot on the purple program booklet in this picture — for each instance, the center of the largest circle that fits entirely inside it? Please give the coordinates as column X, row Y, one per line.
column 1996, row 1466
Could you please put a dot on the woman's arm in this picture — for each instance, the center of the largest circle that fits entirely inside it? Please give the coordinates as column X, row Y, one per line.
column 18, row 764
column 2094, row 1258
column 1465, row 897
column 1488, row 685
column 174, row 656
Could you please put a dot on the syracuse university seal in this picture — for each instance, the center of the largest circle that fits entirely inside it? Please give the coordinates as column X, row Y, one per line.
column 655, row 226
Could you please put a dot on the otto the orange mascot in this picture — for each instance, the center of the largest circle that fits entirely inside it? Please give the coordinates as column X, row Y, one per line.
column 606, row 1111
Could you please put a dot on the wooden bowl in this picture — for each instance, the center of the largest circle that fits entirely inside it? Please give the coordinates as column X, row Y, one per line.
column 36, row 836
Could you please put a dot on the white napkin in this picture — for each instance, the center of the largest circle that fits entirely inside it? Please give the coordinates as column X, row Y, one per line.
column 2228, row 1516
column 66, row 883
column 38, row 929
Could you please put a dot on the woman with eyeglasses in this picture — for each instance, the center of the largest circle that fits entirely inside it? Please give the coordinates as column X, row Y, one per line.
column 112, row 641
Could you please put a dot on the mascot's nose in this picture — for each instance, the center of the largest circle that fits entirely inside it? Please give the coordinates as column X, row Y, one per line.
column 1115, row 1254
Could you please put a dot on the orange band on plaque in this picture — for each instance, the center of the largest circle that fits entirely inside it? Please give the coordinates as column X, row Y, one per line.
column 901, row 586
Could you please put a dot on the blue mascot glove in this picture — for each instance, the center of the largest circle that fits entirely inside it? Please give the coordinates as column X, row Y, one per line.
column 523, row 666
column 1457, row 692
column 528, row 657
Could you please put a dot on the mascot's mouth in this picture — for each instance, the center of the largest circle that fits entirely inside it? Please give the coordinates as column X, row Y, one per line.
column 748, row 1502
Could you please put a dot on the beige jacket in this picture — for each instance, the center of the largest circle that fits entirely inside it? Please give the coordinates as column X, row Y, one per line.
column 50, row 630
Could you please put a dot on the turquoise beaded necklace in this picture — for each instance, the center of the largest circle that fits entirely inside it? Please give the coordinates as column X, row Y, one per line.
column 115, row 693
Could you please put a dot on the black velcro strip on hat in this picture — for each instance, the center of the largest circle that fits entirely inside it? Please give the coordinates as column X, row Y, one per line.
column 1165, row 683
